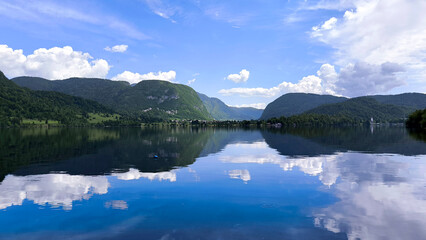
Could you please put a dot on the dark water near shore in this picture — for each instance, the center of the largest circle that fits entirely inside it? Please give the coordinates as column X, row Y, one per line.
column 337, row 183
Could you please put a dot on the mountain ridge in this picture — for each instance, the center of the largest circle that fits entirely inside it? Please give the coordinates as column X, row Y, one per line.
column 297, row 103
column 220, row 111
column 363, row 109
column 163, row 100
column 18, row 103
column 149, row 99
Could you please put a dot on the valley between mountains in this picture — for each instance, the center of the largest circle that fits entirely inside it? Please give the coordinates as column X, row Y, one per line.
column 80, row 101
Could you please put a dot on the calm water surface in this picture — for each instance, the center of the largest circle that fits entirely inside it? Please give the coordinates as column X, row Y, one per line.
column 212, row 184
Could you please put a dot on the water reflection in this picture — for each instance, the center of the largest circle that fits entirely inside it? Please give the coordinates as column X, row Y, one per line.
column 117, row 204
column 261, row 153
column 61, row 190
column 134, row 174
column 381, row 197
column 327, row 141
column 57, row 190
column 242, row 174
column 212, row 184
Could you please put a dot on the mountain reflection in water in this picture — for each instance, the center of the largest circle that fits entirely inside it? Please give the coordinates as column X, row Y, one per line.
column 210, row 183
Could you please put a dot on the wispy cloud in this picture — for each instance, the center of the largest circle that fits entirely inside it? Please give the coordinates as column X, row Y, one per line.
column 163, row 9
column 224, row 13
column 293, row 18
column 191, row 81
column 327, row 5
column 50, row 13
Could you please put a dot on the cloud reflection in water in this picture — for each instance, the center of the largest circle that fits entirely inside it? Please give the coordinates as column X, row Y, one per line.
column 58, row 190
column 61, row 190
column 240, row 174
column 134, row 174
column 381, row 196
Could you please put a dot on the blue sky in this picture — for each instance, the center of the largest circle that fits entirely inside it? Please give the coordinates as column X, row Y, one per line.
column 244, row 52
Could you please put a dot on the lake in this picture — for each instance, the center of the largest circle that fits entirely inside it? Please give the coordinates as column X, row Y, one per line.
column 211, row 183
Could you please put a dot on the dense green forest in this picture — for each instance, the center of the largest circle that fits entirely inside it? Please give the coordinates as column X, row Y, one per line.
column 162, row 99
column 380, row 107
column 176, row 104
column 411, row 100
column 363, row 109
column 417, row 120
column 297, row 103
column 314, row 120
column 150, row 100
column 220, row 111
column 20, row 105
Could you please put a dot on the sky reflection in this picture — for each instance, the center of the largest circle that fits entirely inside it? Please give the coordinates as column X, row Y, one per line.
column 57, row 190
column 383, row 200
column 61, row 190
column 237, row 189
column 381, row 196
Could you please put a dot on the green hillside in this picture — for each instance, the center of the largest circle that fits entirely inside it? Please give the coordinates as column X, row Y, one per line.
column 220, row 111
column 101, row 90
column 296, row 103
column 152, row 99
column 362, row 109
column 417, row 120
column 19, row 104
column 162, row 99
column 412, row 100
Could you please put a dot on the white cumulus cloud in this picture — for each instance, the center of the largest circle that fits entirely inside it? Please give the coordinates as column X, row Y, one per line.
column 243, row 76
column 117, row 48
column 352, row 80
column 364, row 79
column 378, row 32
column 132, row 77
column 311, row 84
column 53, row 63
column 253, row 105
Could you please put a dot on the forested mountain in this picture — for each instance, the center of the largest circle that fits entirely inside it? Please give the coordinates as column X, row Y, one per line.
column 101, row 90
column 160, row 100
column 417, row 120
column 362, row 109
column 152, row 99
column 296, row 103
column 411, row 100
column 220, row 111
column 17, row 103
column 380, row 107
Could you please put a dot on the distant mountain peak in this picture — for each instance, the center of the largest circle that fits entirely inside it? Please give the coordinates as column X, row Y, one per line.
column 296, row 103
column 220, row 111
column 166, row 100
